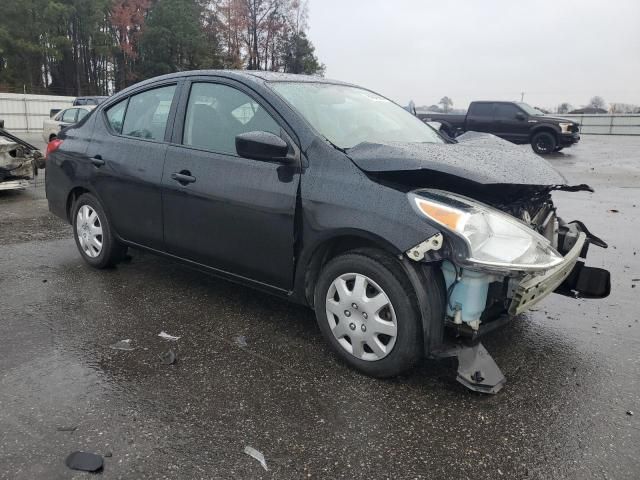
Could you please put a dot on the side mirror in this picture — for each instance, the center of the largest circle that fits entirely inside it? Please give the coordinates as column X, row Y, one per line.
column 520, row 116
column 263, row 146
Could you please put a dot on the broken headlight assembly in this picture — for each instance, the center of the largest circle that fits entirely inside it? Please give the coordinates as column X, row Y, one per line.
column 493, row 238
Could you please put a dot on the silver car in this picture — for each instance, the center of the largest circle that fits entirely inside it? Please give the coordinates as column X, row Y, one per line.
column 52, row 126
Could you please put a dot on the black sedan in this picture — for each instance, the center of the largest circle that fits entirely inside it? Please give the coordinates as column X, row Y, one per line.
column 332, row 196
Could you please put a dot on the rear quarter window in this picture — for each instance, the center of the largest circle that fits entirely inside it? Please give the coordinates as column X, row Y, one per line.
column 115, row 115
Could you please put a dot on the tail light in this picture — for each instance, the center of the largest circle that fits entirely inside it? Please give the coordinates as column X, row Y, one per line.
column 52, row 146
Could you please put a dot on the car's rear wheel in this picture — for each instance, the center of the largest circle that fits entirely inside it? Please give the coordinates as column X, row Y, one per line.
column 93, row 234
column 543, row 143
column 366, row 309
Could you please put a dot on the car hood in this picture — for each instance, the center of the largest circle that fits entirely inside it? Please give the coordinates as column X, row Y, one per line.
column 554, row 119
column 480, row 158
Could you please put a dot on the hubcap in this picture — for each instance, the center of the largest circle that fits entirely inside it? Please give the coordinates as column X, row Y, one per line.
column 89, row 231
column 361, row 317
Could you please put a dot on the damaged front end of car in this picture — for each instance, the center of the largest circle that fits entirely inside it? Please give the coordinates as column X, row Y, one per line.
column 500, row 245
column 19, row 162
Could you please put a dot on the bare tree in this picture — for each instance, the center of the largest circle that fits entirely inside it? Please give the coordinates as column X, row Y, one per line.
column 446, row 103
column 564, row 107
column 597, row 102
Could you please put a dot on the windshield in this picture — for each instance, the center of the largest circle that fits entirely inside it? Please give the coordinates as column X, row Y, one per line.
column 529, row 109
column 347, row 116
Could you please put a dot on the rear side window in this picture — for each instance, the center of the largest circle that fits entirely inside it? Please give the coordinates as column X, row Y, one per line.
column 147, row 113
column 217, row 113
column 506, row 111
column 481, row 109
column 69, row 116
column 115, row 115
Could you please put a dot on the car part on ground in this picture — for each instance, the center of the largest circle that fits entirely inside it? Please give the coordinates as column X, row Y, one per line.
column 399, row 238
column 19, row 162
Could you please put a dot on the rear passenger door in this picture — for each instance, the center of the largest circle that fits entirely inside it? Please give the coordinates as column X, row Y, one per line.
column 234, row 214
column 480, row 117
column 511, row 123
column 127, row 154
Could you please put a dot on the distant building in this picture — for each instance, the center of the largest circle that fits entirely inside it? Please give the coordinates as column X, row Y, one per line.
column 588, row 110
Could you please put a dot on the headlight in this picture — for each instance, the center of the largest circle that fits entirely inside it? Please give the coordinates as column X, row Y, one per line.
column 493, row 238
column 565, row 127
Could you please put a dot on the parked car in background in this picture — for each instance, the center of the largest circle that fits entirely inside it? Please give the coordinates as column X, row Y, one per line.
column 513, row 121
column 52, row 126
column 96, row 100
column 332, row 196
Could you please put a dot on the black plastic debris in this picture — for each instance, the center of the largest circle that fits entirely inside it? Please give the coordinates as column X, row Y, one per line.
column 168, row 357
column 84, row 461
column 71, row 428
column 630, row 413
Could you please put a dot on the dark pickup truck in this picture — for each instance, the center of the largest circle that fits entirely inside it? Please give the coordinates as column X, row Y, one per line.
column 513, row 121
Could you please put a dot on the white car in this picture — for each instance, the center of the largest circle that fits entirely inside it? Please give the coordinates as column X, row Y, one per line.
column 51, row 126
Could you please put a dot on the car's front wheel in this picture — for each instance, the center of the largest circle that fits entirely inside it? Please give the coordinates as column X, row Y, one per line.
column 543, row 143
column 367, row 310
column 93, row 234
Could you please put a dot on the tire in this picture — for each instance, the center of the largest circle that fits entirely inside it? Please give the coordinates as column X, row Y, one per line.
column 86, row 227
column 396, row 350
column 543, row 143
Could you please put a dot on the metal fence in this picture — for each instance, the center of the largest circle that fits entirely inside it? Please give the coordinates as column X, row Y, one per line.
column 25, row 113
column 604, row 124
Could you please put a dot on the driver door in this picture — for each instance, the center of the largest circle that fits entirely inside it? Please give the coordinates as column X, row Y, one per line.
column 233, row 214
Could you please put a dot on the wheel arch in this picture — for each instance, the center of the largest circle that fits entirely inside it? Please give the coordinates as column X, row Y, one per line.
column 548, row 128
column 72, row 196
column 314, row 257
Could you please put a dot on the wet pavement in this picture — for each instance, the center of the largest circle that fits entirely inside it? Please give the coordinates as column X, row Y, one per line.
column 573, row 367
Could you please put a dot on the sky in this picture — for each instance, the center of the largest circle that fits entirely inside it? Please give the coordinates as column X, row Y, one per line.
column 421, row 50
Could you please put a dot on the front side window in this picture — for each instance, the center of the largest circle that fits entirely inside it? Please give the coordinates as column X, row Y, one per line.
column 506, row 111
column 147, row 113
column 347, row 116
column 217, row 113
column 69, row 116
column 82, row 113
column 115, row 115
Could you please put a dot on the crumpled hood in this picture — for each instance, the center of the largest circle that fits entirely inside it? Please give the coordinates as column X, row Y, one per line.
column 477, row 157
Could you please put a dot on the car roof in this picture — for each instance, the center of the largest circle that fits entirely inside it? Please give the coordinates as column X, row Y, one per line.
column 252, row 76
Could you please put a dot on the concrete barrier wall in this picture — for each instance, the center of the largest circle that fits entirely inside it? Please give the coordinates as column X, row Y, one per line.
column 25, row 113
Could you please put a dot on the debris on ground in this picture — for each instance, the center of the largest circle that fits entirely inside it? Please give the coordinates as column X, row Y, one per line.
column 108, row 455
column 252, row 452
column 67, row 429
column 613, row 210
column 166, row 336
column 85, row 461
column 168, row 357
column 240, row 340
column 630, row 413
column 123, row 345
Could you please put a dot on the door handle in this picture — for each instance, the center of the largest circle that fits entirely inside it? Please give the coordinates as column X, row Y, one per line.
column 183, row 177
column 97, row 161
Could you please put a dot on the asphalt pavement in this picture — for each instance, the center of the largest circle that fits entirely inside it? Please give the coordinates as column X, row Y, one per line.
column 253, row 370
